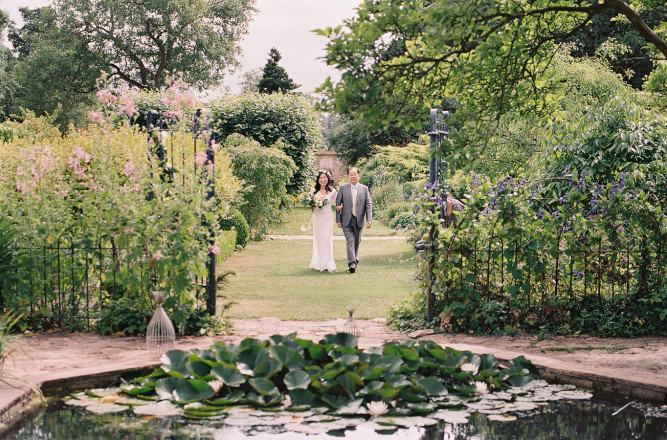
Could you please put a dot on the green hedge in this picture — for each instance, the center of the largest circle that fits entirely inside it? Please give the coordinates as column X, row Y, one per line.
column 227, row 243
column 268, row 119
column 236, row 221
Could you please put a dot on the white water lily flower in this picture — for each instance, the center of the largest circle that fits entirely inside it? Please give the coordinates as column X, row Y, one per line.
column 216, row 385
column 287, row 402
column 467, row 367
column 480, row 387
column 376, row 409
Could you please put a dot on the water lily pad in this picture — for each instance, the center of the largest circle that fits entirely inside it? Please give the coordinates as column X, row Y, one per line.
column 407, row 422
column 131, row 401
column 173, row 363
column 325, row 418
column 519, row 406
column 297, row 379
column 134, row 390
column 499, row 395
column 159, row 409
column 307, row 428
column 574, row 395
column 501, row 418
column 106, row 408
column 102, row 392
column 452, row 417
column 82, row 402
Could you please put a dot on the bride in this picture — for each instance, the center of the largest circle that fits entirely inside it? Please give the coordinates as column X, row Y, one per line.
column 325, row 198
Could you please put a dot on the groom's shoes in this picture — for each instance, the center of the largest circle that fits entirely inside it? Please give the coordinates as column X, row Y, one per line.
column 352, row 269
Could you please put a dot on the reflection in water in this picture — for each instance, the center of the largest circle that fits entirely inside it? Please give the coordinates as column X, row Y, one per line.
column 559, row 420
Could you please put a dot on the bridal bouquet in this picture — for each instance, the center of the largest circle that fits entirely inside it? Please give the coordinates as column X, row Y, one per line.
column 316, row 201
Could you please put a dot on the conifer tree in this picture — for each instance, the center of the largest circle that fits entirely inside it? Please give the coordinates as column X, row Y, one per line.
column 275, row 78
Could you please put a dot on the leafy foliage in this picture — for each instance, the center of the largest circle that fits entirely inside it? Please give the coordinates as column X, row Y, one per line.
column 268, row 119
column 402, row 164
column 274, row 78
column 418, row 377
column 353, row 140
column 398, row 59
column 55, row 69
column 265, row 172
column 236, row 221
column 102, row 191
column 145, row 44
column 526, row 258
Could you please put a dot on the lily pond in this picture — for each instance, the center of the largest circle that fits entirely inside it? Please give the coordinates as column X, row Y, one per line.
column 290, row 388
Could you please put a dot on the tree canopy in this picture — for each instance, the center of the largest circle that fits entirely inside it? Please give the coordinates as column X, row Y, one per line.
column 55, row 69
column 398, row 58
column 275, row 78
column 144, row 43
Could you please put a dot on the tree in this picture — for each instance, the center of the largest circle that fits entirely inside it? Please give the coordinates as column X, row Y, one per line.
column 144, row 43
column 268, row 119
column 275, row 78
column 398, row 59
column 7, row 83
column 56, row 70
column 250, row 81
column 353, row 140
column 633, row 59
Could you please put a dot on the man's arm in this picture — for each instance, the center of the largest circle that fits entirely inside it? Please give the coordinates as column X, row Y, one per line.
column 369, row 208
column 339, row 199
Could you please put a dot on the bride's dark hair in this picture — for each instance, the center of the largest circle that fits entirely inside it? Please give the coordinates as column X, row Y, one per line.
column 329, row 181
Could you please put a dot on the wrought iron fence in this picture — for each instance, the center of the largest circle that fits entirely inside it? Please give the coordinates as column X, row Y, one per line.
column 67, row 283
column 494, row 269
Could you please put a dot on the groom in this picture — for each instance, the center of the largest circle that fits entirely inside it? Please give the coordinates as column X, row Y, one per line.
column 353, row 207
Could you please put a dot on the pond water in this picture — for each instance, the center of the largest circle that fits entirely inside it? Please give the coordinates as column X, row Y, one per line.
column 580, row 420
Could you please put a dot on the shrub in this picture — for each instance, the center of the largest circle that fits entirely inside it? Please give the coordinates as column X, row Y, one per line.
column 235, row 220
column 587, row 261
column 396, row 208
column 226, row 243
column 386, row 194
column 268, row 119
column 6, row 132
column 125, row 315
column 404, row 220
column 265, row 172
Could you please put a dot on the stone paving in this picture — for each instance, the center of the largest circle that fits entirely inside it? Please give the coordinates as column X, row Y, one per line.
column 59, row 363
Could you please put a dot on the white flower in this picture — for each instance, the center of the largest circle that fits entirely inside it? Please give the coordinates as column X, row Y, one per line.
column 216, row 385
column 287, row 402
column 480, row 387
column 467, row 367
column 376, row 409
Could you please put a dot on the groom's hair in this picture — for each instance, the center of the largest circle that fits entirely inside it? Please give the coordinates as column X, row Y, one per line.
column 352, row 168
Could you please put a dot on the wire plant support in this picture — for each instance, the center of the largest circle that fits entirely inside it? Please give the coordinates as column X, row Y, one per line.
column 351, row 325
column 160, row 334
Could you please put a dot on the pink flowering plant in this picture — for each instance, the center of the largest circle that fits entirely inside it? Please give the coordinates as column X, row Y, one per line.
column 99, row 188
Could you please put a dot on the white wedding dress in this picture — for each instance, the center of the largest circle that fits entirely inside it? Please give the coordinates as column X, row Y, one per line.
column 323, row 220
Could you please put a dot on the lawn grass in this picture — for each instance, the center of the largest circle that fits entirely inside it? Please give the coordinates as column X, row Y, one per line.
column 272, row 279
column 300, row 216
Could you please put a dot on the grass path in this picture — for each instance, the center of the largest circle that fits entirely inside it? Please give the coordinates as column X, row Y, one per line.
column 273, row 279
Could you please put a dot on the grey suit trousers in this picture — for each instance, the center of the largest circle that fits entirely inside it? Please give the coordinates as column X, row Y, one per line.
column 352, row 233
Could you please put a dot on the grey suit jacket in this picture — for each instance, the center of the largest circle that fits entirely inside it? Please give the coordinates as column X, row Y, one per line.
column 364, row 205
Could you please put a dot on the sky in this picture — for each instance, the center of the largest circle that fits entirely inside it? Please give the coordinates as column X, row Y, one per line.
column 283, row 24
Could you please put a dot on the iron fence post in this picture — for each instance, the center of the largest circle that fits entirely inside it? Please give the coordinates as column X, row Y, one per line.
column 432, row 178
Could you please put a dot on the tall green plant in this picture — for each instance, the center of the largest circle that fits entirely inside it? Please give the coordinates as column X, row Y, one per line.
column 102, row 188
column 268, row 119
column 523, row 260
column 265, row 172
